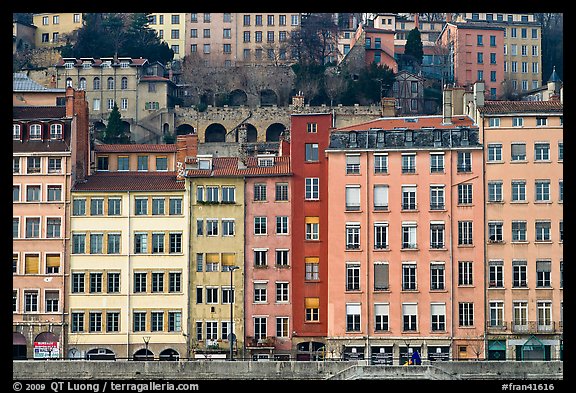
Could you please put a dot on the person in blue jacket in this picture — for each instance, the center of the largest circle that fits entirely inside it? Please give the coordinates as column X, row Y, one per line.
column 416, row 358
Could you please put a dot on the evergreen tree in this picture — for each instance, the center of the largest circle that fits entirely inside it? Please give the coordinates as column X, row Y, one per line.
column 413, row 47
column 114, row 132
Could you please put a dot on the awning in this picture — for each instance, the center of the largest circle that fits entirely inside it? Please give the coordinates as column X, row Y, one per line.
column 18, row 339
column 46, row 337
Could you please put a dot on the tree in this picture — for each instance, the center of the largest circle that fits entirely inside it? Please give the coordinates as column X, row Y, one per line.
column 316, row 39
column 413, row 47
column 552, row 43
column 114, row 132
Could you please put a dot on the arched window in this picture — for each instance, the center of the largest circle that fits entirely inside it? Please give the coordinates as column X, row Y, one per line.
column 96, row 83
column 124, row 83
column 68, row 82
column 110, row 83
column 35, row 131
column 55, row 131
column 82, row 84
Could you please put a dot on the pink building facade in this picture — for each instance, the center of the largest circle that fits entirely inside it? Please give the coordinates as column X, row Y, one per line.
column 268, row 279
column 406, row 247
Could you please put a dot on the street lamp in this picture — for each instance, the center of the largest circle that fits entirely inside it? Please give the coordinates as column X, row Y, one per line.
column 232, row 296
column 146, row 341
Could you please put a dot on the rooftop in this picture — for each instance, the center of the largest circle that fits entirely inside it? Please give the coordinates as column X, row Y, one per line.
column 503, row 107
column 414, row 122
column 135, row 148
column 21, row 83
column 38, row 112
column 228, row 167
column 130, row 181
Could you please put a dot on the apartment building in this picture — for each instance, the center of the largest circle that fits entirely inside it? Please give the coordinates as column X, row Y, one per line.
column 51, row 28
column 522, row 47
column 406, row 249
column 170, row 28
column 230, row 39
column 44, row 166
column 475, row 53
column 140, row 90
column 309, row 135
column 127, row 293
column 524, row 226
column 268, row 258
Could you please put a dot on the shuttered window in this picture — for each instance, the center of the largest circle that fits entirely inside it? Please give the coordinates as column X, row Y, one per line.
column 31, row 264
column 380, row 276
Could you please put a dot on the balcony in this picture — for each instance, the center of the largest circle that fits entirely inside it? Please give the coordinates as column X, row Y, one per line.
column 536, row 327
column 408, row 170
column 352, row 246
column 436, row 245
column 409, row 246
column 437, row 206
column 497, row 326
column 463, row 168
column 265, row 342
column 408, row 206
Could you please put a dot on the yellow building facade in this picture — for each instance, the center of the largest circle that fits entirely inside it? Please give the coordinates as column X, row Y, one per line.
column 51, row 28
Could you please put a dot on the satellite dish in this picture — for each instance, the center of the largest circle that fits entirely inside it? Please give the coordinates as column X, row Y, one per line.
column 232, row 337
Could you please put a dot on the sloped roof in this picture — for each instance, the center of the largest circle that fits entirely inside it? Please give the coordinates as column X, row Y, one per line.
column 21, row 83
column 135, row 148
column 228, row 167
column 131, row 181
column 411, row 122
column 38, row 112
column 503, row 107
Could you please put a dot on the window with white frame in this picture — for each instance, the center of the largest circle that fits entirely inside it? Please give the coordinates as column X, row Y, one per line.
column 466, row 314
column 409, row 197
column 260, row 328
column 380, row 235
column 353, row 312
column 312, row 228
column 409, row 235
column 544, row 315
column 352, row 236
column 495, row 191
column 352, row 276
column 494, row 152
column 409, row 163
column 542, row 190
column 436, row 163
column 437, row 235
column 380, row 197
column 519, row 231
column 518, row 190
column 465, row 233
column 260, row 292
column 496, row 313
column 260, row 257
column 380, row 163
column 437, row 197
column 465, row 273
column 312, row 188
column 352, row 164
column 543, row 273
column 409, row 276
column 381, row 316
column 410, row 316
column 352, row 197
column 541, row 151
column 519, row 274
column 543, row 231
column 495, row 232
column 438, row 316
column 437, row 276
column 260, row 225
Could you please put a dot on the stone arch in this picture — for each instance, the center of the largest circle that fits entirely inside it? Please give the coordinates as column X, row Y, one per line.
column 165, row 128
column 207, row 97
column 238, row 97
column 273, row 132
column 100, row 354
column 169, row 354
column 125, row 126
column 19, row 346
column 143, row 354
column 99, row 127
column 185, row 129
column 251, row 133
column 215, row 132
column 46, row 345
column 74, row 353
column 268, row 97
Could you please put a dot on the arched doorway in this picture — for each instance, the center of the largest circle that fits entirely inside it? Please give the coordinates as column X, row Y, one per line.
column 169, row 354
column 46, row 345
column 100, row 354
column 143, row 354
column 251, row 133
column 268, row 98
column 126, row 127
column 310, row 350
column 238, row 97
column 74, row 353
column 185, row 129
column 18, row 346
column 166, row 128
column 215, row 133
column 274, row 131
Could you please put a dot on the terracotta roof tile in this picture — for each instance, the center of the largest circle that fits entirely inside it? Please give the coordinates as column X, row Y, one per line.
column 38, row 112
column 228, row 167
column 521, row 107
column 135, row 148
column 389, row 123
column 130, row 181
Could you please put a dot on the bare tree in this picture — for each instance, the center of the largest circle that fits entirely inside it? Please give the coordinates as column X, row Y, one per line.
column 334, row 84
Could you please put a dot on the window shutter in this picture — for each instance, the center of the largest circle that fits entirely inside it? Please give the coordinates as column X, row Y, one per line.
column 31, row 264
column 381, row 276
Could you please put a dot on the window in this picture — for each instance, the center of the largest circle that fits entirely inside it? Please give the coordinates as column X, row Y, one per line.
column 480, row 58
column 494, row 152
column 212, row 194
column 352, row 236
column 33, row 165
column 157, row 282
column 114, row 243
column 175, row 206
column 543, row 273
column 352, row 197
column 77, row 325
column 16, row 165
column 142, row 163
column 541, row 152
column 140, row 243
column 260, row 192
column 211, row 227
column 544, row 312
column 260, row 293
column 15, row 193
column 542, row 190
column 518, row 151
column 312, row 188
column 260, row 225
column 312, row 228
column 113, row 282
column 519, row 274
column 409, row 163
column 227, row 227
column 518, row 231
column 260, row 257
column 97, row 206
column 312, row 271
column 465, row 274
column 228, row 194
column 380, row 163
column 53, row 227
column 465, row 233
column 78, row 243
column 311, row 152
column 140, row 282
column 175, row 243
column 32, row 193
column 437, row 276
column 15, row 228
column 352, row 164
column 380, row 197
column 408, row 197
column 141, row 206
column 561, row 191
column 352, row 276
column 496, row 274
column 353, row 317
column 174, row 282
column 77, row 283
column 464, row 161
column 157, row 243
column 409, row 236
column 436, row 163
column 466, row 314
column 495, row 232
column 543, row 231
column 410, row 316
column 281, row 225
column 438, row 317
column 31, row 264
column 517, row 121
column 56, row 131
column 519, row 190
column 52, row 299
column 408, row 276
column 139, row 321
column 381, row 276
column 282, row 258
column 123, row 163
column 114, row 206
column 437, row 231
column 35, row 131
column 437, row 197
column 32, row 228
column 495, row 191
column 95, row 282
column 281, row 191
column 380, row 236
column 54, row 165
column 312, row 309
column 31, row 301
column 158, row 206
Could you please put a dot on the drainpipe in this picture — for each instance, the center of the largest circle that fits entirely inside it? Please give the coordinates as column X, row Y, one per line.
column 128, row 287
column 66, row 205
column 450, row 253
column 481, row 125
column 368, row 350
column 189, row 281
column 245, row 281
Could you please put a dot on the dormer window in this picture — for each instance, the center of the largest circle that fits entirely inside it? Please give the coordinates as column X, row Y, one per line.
column 205, row 162
column 56, row 131
column 107, row 64
column 353, row 139
column 124, row 64
column 69, row 65
column 380, row 138
column 35, row 131
column 16, row 133
column 265, row 161
column 86, row 65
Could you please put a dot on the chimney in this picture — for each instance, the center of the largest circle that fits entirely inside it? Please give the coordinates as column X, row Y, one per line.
column 447, row 105
column 448, row 17
column 186, row 146
column 242, row 134
column 417, row 21
column 298, row 100
column 284, row 148
column 77, row 110
column 388, row 106
column 479, row 94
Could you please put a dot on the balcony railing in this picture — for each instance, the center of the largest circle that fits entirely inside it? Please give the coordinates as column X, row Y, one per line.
column 352, row 246
column 535, row 327
column 437, row 206
column 352, row 207
column 437, row 245
column 408, row 206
